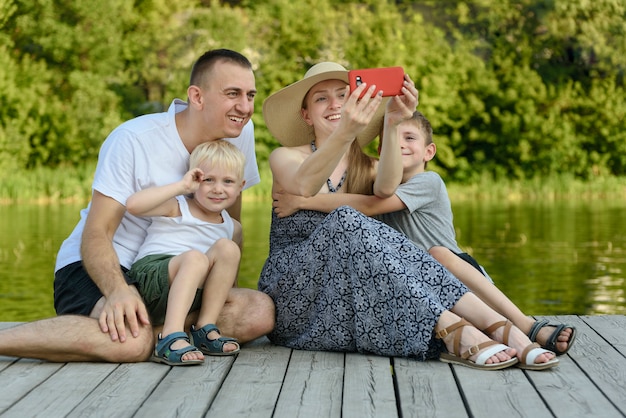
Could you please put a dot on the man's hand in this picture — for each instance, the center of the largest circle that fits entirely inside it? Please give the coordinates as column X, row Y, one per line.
column 123, row 306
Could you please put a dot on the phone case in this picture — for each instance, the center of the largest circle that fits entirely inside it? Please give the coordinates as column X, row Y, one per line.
column 387, row 79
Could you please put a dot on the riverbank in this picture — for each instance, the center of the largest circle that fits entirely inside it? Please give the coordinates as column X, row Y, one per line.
column 72, row 185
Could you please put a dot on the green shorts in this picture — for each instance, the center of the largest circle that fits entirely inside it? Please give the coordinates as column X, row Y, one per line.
column 152, row 278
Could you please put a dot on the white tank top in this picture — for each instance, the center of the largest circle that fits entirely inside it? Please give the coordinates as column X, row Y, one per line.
column 183, row 233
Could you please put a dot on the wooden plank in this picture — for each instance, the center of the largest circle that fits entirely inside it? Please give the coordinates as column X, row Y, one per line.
column 121, row 393
column 254, row 382
column 504, row 393
column 313, row 385
column 604, row 369
column 610, row 328
column 427, row 389
column 62, row 391
column 187, row 391
column 21, row 377
column 368, row 387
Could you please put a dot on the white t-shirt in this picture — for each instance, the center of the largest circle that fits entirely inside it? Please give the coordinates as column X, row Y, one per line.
column 144, row 152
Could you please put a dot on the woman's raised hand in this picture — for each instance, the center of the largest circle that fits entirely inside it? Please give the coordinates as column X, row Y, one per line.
column 357, row 112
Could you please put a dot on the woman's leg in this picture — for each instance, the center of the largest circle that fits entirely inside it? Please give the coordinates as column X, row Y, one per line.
column 492, row 296
column 471, row 337
column 482, row 316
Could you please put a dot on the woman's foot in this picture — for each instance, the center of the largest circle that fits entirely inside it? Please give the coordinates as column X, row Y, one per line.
column 531, row 356
column 468, row 346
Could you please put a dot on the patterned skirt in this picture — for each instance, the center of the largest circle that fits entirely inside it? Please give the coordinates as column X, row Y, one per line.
column 346, row 282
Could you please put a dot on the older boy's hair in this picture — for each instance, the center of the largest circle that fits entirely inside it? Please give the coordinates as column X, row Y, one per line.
column 423, row 125
column 207, row 61
column 221, row 154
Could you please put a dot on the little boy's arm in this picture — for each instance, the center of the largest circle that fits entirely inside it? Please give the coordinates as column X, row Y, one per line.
column 286, row 204
column 160, row 200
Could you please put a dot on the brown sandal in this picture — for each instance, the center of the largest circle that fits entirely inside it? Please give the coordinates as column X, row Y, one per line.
column 463, row 358
column 530, row 353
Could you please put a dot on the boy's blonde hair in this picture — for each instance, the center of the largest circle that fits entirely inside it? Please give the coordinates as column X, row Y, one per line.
column 219, row 153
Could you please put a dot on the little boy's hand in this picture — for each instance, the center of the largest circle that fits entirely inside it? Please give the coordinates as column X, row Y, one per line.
column 192, row 180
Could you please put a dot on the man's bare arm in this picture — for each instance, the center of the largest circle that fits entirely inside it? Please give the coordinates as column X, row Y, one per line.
column 122, row 303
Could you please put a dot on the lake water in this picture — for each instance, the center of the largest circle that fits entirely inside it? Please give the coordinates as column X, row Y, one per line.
column 551, row 258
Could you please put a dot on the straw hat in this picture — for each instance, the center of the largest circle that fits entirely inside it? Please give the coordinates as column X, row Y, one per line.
column 281, row 110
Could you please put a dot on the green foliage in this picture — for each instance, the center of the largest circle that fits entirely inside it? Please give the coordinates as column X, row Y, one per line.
column 515, row 89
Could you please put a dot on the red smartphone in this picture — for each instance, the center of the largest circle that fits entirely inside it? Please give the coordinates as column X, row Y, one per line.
column 387, row 79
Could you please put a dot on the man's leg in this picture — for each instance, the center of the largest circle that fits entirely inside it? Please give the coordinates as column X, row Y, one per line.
column 73, row 338
column 247, row 315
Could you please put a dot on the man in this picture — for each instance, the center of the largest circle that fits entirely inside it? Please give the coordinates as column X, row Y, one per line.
column 101, row 315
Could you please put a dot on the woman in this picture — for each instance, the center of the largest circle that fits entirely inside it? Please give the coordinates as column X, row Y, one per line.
column 343, row 281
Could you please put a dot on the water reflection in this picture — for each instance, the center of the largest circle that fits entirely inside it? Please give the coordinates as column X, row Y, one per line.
column 551, row 259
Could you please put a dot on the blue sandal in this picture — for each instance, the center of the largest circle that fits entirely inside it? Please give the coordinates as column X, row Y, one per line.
column 199, row 338
column 164, row 354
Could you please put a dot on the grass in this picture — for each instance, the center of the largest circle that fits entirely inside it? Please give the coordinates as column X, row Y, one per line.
column 73, row 185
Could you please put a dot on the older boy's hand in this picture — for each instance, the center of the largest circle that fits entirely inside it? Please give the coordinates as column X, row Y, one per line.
column 402, row 107
column 285, row 204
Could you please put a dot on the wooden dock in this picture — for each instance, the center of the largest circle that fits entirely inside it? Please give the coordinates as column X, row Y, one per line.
column 269, row 381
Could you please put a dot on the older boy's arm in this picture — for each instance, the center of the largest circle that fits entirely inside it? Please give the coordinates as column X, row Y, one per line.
column 399, row 109
column 389, row 167
column 286, row 204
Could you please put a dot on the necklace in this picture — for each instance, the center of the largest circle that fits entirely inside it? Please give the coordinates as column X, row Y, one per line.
column 332, row 188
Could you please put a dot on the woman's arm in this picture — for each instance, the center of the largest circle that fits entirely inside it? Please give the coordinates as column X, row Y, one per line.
column 305, row 174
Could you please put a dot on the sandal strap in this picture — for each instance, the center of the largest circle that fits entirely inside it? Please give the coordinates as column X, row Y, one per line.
column 507, row 329
column 205, row 330
column 476, row 348
column 200, row 338
column 534, row 330
column 456, row 344
column 168, row 340
column 485, row 355
column 162, row 348
column 531, row 352
column 441, row 334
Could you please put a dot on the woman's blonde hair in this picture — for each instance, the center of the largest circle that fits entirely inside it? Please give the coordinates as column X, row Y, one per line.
column 360, row 178
column 219, row 153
